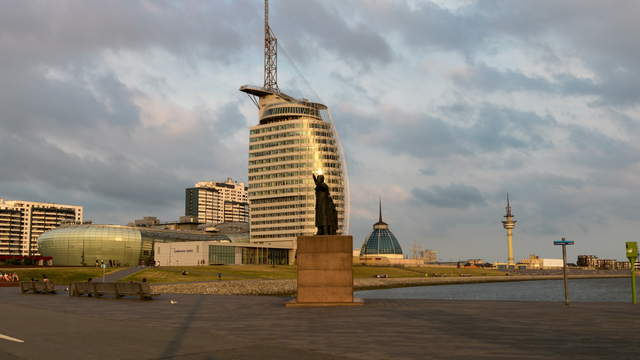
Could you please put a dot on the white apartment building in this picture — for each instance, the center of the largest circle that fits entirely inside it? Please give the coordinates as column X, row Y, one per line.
column 22, row 222
column 216, row 202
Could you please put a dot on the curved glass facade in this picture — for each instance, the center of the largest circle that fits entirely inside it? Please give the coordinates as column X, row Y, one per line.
column 84, row 244
column 294, row 138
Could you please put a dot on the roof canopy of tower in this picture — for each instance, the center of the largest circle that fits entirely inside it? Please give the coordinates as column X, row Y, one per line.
column 260, row 91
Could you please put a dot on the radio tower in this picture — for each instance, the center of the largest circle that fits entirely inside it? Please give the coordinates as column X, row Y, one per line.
column 270, row 54
column 509, row 224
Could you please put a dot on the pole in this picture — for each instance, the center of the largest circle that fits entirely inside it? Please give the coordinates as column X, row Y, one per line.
column 564, row 272
column 633, row 283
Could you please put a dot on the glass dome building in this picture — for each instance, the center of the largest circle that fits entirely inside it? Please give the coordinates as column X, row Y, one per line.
column 381, row 242
column 82, row 245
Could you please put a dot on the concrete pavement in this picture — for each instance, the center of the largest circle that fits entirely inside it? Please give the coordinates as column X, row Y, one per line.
column 247, row 327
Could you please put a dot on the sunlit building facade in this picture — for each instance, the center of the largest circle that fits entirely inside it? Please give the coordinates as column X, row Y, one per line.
column 292, row 140
column 22, row 222
column 216, row 202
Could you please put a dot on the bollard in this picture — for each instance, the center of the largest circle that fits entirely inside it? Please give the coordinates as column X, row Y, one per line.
column 632, row 255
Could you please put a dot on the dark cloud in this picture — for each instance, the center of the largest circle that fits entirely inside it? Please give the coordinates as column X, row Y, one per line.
column 54, row 33
column 457, row 196
column 590, row 31
column 428, row 172
column 599, row 151
column 308, row 27
column 485, row 128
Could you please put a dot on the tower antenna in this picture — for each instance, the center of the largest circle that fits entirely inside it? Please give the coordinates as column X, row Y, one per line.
column 270, row 54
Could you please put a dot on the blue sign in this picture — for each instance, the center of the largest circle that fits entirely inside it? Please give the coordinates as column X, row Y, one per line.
column 563, row 242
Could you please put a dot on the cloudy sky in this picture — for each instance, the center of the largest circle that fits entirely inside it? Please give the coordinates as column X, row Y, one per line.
column 442, row 107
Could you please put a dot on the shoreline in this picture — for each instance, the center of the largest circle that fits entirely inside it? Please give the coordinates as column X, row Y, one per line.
column 288, row 287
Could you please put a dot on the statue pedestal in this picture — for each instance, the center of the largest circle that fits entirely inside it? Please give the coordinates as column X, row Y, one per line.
column 325, row 272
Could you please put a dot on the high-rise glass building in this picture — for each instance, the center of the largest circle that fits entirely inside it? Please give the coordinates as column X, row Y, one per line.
column 292, row 140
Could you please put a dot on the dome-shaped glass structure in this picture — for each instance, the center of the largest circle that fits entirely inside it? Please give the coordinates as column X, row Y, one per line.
column 381, row 241
column 84, row 244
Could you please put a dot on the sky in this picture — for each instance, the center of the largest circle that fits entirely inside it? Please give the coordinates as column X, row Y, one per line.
column 442, row 108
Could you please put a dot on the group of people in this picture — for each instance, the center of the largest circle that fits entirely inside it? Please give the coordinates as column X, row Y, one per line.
column 9, row 277
column 111, row 263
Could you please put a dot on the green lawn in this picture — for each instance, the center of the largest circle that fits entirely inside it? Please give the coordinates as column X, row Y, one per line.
column 171, row 274
column 59, row 275
column 443, row 271
column 66, row 275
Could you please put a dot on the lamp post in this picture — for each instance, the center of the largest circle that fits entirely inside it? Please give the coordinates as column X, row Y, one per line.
column 632, row 255
column 564, row 244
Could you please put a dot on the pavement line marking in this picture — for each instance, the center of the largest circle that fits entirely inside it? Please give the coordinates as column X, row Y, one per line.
column 5, row 337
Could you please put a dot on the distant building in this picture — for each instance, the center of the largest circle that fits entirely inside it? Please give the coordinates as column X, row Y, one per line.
column 535, row 262
column 83, row 245
column 428, row 256
column 381, row 243
column 22, row 222
column 146, row 221
column 184, row 223
column 592, row 262
column 216, row 202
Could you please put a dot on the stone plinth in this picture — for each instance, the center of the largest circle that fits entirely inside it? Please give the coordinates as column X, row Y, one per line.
column 325, row 273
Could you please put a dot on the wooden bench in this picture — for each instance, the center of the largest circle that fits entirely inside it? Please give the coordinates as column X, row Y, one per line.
column 118, row 289
column 38, row 287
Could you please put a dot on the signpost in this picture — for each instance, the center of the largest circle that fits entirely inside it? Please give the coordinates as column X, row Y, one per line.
column 564, row 244
column 632, row 255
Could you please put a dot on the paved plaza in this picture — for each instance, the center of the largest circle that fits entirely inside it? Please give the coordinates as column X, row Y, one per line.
column 248, row 327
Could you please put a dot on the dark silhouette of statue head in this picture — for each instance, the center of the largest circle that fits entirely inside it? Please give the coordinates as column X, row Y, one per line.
column 326, row 214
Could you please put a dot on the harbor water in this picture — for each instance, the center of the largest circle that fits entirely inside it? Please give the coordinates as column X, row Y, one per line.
column 580, row 290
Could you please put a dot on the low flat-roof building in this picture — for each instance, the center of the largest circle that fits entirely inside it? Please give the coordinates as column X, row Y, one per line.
column 202, row 253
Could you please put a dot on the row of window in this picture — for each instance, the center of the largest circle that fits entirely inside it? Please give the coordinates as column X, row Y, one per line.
column 290, row 134
column 290, row 150
column 291, row 110
column 283, row 199
column 289, row 174
column 293, row 158
column 293, row 166
column 286, row 213
column 277, row 236
column 291, row 142
column 282, row 207
column 290, row 125
column 278, row 183
column 290, row 190
column 308, row 180
column 282, row 221
column 281, row 228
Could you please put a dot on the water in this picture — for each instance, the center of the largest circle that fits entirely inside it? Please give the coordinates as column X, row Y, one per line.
column 618, row 290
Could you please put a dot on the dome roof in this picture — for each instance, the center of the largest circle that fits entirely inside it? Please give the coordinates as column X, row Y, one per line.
column 381, row 241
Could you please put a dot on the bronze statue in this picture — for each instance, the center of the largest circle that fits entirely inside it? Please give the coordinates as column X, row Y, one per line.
column 326, row 214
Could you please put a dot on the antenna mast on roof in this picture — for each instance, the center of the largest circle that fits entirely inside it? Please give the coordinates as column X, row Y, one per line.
column 270, row 54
